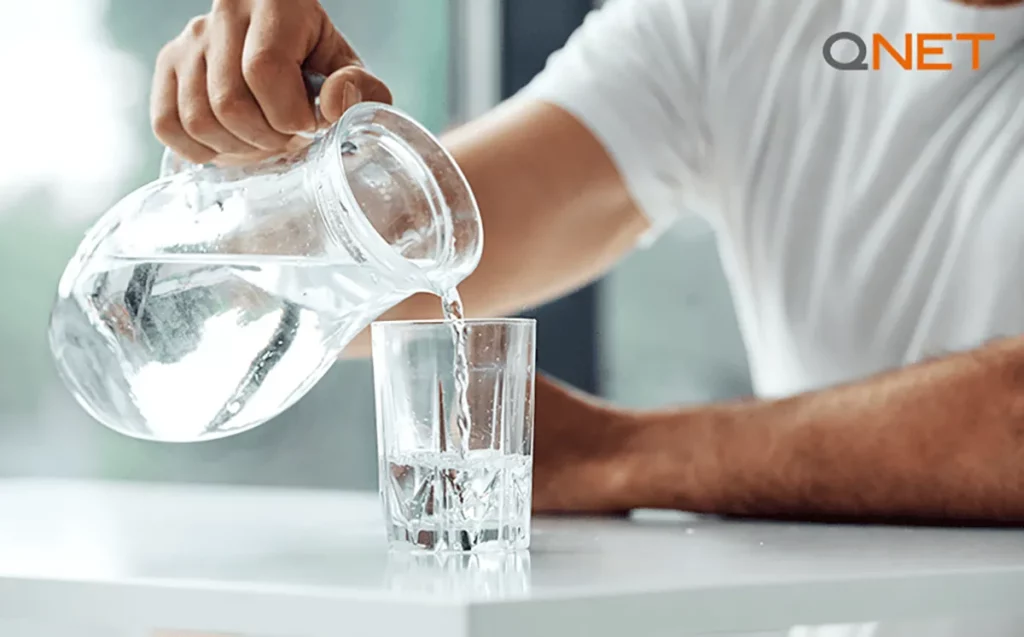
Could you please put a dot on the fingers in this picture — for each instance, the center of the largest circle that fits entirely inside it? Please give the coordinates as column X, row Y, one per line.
column 197, row 116
column 349, row 86
column 230, row 87
column 232, row 102
column 275, row 48
column 167, row 122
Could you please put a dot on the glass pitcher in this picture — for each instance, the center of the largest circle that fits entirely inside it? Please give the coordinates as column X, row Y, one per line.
column 207, row 302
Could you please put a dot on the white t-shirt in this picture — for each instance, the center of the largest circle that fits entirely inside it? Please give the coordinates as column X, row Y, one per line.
column 866, row 219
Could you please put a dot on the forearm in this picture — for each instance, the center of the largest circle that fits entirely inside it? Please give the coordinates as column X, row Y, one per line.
column 556, row 213
column 943, row 440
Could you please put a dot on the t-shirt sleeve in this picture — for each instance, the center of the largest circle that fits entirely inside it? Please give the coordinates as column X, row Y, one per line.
column 633, row 75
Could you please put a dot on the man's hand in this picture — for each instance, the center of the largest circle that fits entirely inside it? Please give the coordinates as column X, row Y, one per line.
column 230, row 88
column 581, row 454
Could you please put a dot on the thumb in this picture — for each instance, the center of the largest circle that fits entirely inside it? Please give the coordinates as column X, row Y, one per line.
column 349, row 86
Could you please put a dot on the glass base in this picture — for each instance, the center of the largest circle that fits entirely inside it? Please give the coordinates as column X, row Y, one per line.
column 494, row 539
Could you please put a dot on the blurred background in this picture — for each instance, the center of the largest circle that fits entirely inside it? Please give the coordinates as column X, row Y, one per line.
column 660, row 329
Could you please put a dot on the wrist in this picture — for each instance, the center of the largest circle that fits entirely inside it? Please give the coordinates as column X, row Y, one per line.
column 670, row 460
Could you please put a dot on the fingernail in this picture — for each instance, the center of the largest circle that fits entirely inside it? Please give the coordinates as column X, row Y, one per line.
column 352, row 95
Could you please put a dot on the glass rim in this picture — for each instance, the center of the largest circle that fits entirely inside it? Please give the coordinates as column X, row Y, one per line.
column 469, row 322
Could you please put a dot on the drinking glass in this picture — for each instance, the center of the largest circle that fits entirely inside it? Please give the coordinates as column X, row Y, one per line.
column 447, row 484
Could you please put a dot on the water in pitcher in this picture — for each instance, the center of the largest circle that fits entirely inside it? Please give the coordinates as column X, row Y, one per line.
column 194, row 347
column 207, row 302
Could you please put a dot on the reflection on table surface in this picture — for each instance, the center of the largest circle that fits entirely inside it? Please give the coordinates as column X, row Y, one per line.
column 479, row 575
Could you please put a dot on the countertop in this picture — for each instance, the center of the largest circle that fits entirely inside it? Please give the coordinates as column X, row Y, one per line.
column 266, row 562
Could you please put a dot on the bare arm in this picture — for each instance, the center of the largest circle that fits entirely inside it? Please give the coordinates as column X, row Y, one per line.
column 556, row 213
column 938, row 441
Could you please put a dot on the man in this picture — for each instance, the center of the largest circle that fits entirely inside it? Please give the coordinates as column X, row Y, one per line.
column 872, row 224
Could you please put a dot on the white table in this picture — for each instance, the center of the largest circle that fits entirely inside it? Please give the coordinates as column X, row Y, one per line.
column 125, row 559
